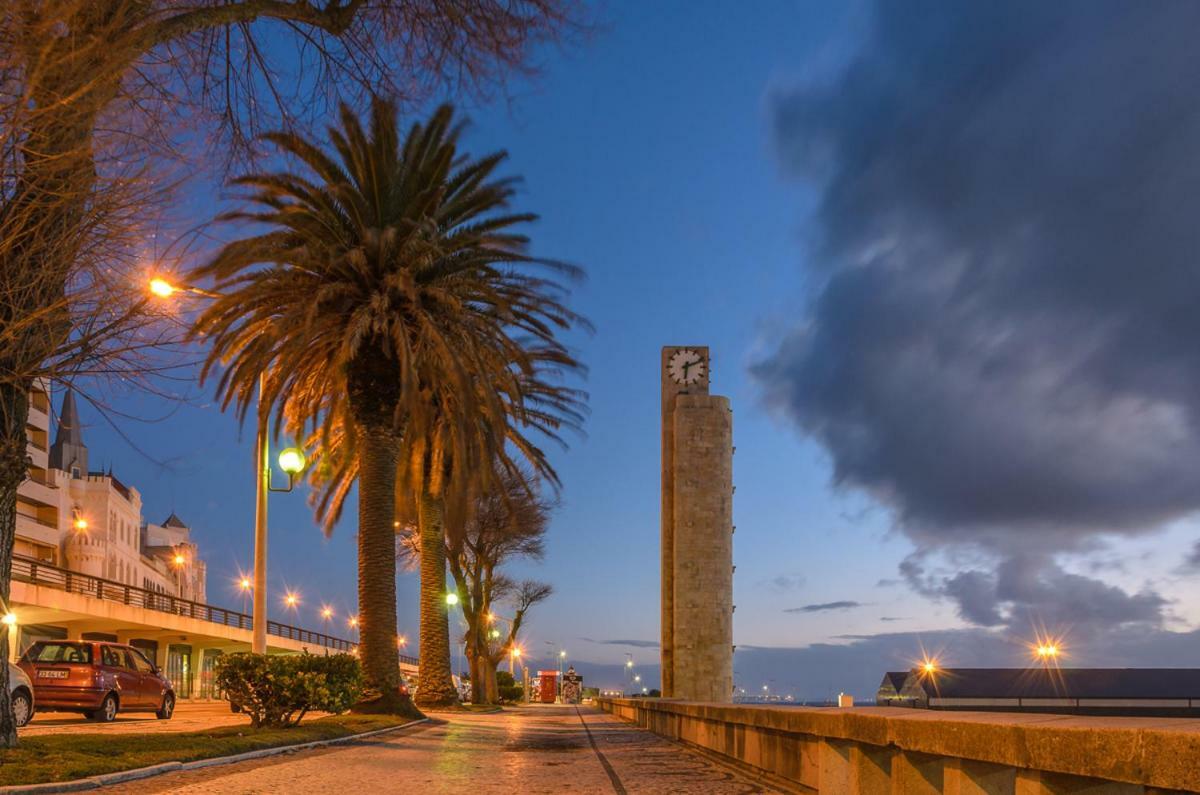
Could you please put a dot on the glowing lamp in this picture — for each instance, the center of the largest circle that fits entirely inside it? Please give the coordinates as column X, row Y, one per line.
column 9, row 619
column 562, row 654
column 929, row 667
column 161, row 287
column 80, row 524
column 326, row 612
column 180, row 560
column 516, row 652
column 292, row 461
column 291, row 600
column 451, row 598
column 244, row 584
column 401, row 641
column 353, row 622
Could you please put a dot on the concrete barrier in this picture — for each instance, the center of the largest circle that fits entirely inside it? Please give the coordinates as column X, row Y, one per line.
column 869, row 750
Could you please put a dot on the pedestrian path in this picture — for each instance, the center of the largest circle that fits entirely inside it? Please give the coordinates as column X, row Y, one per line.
column 546, row 749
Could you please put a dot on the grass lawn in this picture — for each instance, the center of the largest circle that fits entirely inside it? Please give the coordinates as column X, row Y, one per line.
column 63, row 757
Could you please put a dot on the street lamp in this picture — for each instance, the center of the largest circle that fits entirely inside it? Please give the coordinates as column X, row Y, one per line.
column 295, row 462
column 292, row 600
column 451, row 599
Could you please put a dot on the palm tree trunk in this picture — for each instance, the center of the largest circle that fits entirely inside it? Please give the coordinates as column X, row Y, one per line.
column 436, row 687
column 378, row 650
column 14, row 468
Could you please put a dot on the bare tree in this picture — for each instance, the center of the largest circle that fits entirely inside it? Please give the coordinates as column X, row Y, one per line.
column 91, row 90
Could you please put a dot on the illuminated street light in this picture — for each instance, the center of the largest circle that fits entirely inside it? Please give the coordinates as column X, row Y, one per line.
column 353, row 622
column 10, row 619
column 162, row 288
column 929, row 667
column 452, row 598
column 244, row 584
column 179, row 559
column 326, row 613
column 629, row 663
column 291, row 600
column 80, row 524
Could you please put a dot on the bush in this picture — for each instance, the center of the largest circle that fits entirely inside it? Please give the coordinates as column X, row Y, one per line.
column 514, row 693
column 504, row 679
column 278, row 690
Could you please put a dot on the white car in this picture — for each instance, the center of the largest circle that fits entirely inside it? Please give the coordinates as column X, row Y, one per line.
column 20, row 693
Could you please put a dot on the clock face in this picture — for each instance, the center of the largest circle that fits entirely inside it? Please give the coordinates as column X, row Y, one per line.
column 686, row 366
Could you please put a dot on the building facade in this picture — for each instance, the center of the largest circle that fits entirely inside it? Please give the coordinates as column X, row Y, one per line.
column 88, row 521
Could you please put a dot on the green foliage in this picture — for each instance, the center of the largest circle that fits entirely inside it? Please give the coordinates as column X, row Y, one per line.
column 277, row 690
column 514, row 693
column 504, row 679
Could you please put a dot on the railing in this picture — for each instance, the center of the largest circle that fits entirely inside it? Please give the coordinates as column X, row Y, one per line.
column 35, row 572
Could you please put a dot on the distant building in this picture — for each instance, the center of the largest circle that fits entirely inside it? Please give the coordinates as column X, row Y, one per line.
column 88, row 521
column 1168, row 692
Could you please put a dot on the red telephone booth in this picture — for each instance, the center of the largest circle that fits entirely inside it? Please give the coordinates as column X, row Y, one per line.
column 547, row 686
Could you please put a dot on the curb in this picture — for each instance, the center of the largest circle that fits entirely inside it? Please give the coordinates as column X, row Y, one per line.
column 121, row 776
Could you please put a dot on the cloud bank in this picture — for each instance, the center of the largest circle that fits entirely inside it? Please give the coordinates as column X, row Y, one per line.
column 1002, row 347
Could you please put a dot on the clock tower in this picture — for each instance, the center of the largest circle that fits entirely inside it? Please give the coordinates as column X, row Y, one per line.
column 697, row 527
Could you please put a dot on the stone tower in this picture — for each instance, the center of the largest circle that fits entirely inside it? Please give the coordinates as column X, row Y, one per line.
column 697, row 528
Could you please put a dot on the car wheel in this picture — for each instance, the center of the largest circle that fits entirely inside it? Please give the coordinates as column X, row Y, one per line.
column 22, row 706
column 108, row 710
column 168, row 707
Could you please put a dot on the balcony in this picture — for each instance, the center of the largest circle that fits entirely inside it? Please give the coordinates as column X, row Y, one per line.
column 37, row 573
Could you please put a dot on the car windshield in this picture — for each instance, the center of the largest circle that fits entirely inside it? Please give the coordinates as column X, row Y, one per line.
column 54, row 652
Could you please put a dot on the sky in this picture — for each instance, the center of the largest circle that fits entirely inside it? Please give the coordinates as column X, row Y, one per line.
column 941, row 255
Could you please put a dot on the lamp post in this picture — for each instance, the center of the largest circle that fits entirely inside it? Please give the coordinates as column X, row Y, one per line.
column 291, row 461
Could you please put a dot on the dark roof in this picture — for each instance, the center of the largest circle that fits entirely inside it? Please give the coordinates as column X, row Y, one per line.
column 893, row 681
column 174, row 521
column 1126, row 683
column 70, row 431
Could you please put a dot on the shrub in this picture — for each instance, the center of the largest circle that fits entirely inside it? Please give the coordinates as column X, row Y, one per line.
column 513, row 693
column 278, row 690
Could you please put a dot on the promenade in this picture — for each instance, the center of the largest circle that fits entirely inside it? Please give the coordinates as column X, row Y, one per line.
column 535, row 749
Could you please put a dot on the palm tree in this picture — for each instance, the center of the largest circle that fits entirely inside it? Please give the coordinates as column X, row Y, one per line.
column 448, row 466
column 388, row 285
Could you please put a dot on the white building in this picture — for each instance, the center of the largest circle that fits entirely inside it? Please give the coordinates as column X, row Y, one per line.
column 87, row 567
column 90, row 522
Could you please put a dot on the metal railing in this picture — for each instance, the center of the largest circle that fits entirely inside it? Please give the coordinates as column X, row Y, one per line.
column 35, row 572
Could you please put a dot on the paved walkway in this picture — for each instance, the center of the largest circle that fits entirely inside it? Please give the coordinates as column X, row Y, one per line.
column 188, row 717
column 527, row 751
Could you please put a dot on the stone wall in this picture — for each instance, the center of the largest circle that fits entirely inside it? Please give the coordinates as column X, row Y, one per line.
column 869, row 750
column 703, row 520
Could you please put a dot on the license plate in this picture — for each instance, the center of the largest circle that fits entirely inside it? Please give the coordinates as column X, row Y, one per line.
column 53, row 674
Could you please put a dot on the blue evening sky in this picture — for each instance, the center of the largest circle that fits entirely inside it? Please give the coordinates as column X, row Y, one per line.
column 647, row 152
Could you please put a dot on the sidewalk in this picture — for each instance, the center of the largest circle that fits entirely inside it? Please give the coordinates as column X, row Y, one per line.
column 527, row 750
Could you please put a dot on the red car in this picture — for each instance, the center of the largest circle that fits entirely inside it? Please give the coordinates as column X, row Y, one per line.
column 96, row 678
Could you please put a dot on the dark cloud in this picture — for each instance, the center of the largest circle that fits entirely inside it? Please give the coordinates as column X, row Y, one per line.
column 1002, row 343
column 784, row 583
column 893, row 618
column 823, row 606
column 1192, row 563
column 637, row 644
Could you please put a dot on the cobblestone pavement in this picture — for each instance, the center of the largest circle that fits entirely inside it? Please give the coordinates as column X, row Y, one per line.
column 188, row 717
column 527, row 751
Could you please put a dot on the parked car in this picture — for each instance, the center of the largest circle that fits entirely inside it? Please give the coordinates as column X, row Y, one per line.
column 96, row 678
column 20, row 692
